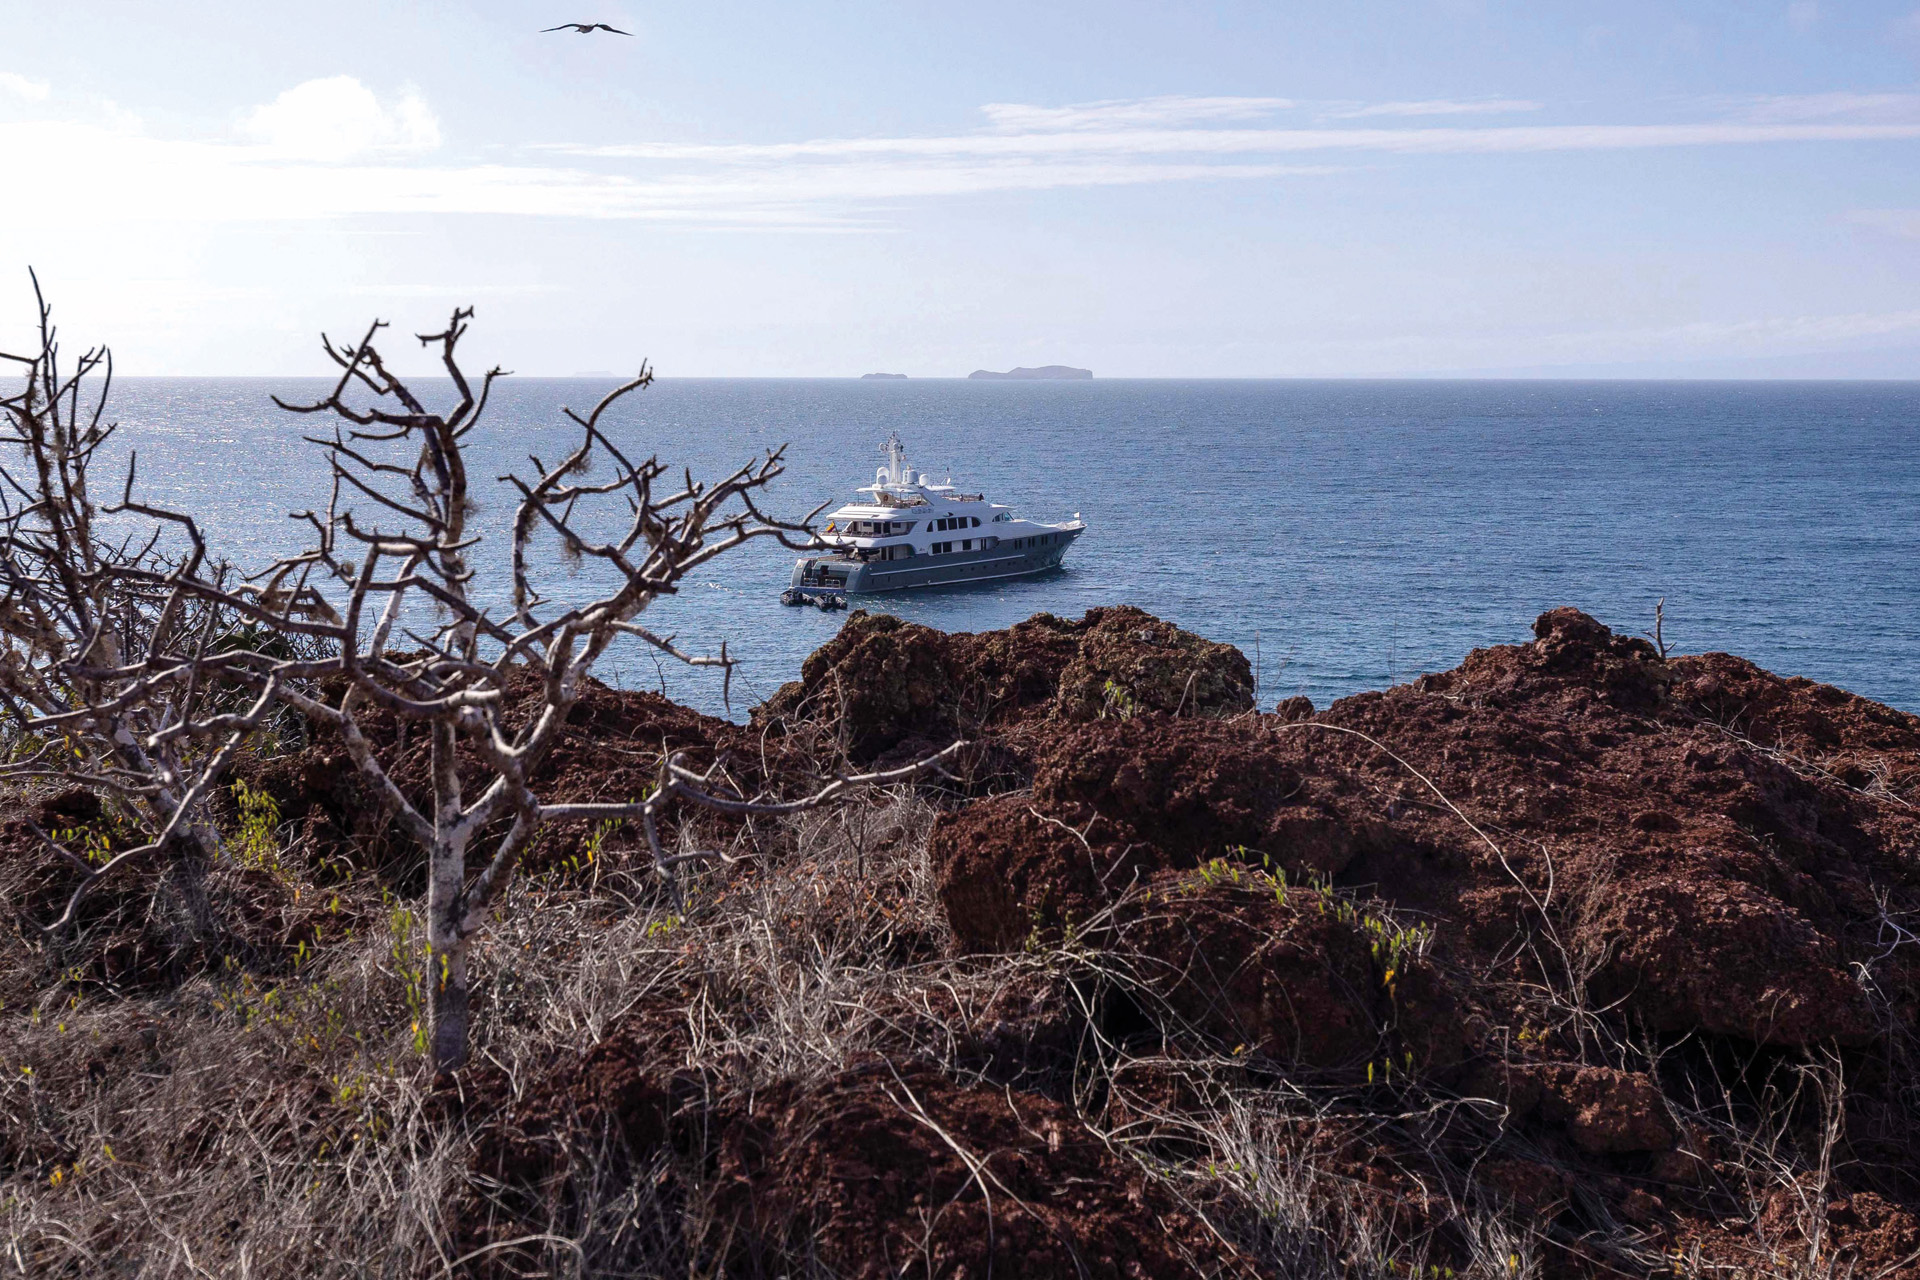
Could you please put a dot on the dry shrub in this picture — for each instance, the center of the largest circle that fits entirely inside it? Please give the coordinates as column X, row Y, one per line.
column 273, row 1116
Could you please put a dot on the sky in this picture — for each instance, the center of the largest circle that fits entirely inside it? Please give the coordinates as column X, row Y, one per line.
column 1426, row 188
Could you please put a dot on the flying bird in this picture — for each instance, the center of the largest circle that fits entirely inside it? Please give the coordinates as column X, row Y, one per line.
column 586, row 28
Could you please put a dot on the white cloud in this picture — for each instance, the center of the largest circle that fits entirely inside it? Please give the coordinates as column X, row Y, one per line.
column 1452, row 140
column 339, row 119
column 1127, row 113
column 216, row 182
column 1437, row 107
column 331, row 148
column 21, row 87
column 1884, row 108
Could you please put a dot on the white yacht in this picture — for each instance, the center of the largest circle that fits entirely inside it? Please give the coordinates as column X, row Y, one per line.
column 910, row 532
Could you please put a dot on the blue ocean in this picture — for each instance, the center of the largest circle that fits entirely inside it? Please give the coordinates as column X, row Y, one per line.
column 1346, row 535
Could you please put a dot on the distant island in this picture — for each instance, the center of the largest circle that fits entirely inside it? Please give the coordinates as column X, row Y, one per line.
column 885, row 376
column 1044, row 371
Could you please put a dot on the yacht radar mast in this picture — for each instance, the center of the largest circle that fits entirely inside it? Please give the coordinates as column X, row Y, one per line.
column 896, row 470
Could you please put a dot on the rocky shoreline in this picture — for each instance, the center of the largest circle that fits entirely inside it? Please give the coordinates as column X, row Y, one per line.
column 1573, row 960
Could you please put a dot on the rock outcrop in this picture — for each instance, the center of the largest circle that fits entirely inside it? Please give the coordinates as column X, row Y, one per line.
column 882, row 683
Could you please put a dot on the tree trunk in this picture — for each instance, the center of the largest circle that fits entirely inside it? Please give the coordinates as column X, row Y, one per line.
column 446, row 958
column 188, row 858
column 447, row 1006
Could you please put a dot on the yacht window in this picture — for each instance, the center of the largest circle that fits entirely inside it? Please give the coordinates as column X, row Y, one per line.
column 976, row 522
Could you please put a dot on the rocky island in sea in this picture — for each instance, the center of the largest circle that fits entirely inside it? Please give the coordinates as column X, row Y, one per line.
column 883, row 377
column 1045, row 372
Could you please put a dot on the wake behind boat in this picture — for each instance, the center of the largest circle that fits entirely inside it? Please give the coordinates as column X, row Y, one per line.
column 912, row 533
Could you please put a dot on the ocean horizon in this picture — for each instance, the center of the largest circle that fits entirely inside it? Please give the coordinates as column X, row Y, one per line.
column 1347, row 534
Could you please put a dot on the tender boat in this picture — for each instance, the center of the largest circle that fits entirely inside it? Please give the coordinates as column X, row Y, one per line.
column 909, row 532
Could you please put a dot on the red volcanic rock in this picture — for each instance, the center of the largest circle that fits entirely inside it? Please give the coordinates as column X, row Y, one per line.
column 1857, row 742
column 1726, row 957
column 1298, row 707
column 1197, row 789
column 1704, row 883
column 1258, row 968
column 1130, row 661
column 883, row 1164
column 1566, row 800
column 1114, row 802
column 1570, row 653
column 1287, row 973
column 1006, row 871
column 882, row 682
column 632, row 1088
column 1604, row 1111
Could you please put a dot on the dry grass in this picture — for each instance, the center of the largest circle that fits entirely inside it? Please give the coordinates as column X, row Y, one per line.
column 276, row 1119
column 251, row 1124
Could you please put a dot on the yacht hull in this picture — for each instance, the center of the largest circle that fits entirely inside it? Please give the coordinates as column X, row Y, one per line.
column 844, row 574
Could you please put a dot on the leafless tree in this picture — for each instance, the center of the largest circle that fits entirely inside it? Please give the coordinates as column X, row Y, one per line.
column 390, row 562
column 103, row 641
